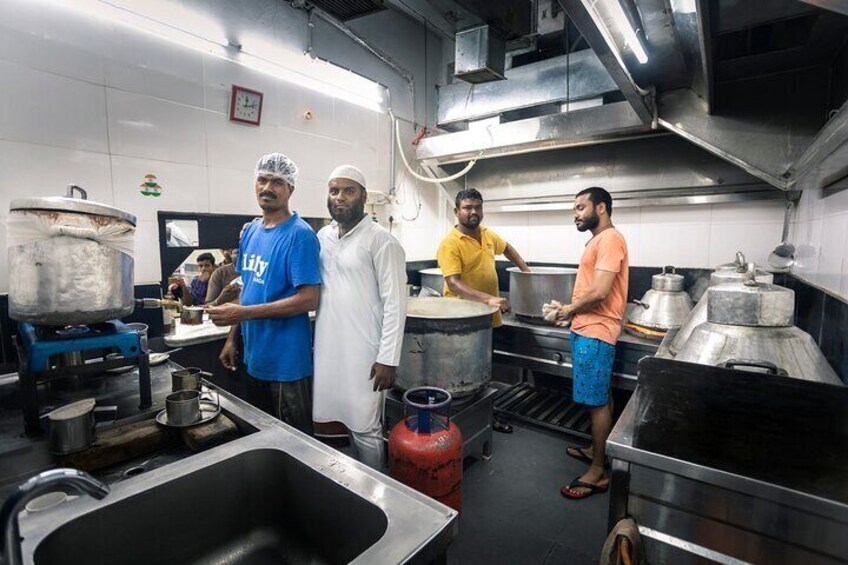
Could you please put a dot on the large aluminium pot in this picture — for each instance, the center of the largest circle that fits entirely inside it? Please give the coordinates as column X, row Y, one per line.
column 432, row 278
column 447, row 343
column 735, row 272
column 528, row 292
column 750, row 326
column 70, row 261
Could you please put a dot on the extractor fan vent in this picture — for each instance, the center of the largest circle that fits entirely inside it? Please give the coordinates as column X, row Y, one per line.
column 345, row 10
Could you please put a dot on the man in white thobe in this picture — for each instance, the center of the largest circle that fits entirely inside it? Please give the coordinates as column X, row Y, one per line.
column 361, row 317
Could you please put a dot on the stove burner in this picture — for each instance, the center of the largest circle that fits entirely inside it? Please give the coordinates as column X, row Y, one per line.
column 73, row 331
column 81, row 331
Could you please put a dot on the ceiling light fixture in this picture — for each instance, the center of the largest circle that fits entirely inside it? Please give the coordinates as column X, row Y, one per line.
column 631, row 39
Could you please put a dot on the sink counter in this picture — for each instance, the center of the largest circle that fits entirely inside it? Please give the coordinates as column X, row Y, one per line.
column 248, row 489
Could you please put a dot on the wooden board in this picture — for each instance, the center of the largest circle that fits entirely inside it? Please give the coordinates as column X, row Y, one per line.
column 218, row 431
column 119, row 444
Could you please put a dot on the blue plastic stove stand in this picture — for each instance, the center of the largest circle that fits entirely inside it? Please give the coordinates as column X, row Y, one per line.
column 39, row 344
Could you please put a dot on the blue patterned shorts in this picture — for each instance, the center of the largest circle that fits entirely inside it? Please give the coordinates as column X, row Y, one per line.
column 591, row 369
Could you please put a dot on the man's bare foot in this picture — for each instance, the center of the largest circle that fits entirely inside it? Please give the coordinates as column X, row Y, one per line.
column 593, row 481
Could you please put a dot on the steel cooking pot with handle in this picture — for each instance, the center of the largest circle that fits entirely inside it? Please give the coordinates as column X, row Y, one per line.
column 70, row 260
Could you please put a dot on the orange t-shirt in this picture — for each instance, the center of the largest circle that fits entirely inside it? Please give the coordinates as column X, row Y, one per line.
column 607, row 251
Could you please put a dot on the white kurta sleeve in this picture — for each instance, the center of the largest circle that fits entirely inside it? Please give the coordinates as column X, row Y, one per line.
column 390, row 266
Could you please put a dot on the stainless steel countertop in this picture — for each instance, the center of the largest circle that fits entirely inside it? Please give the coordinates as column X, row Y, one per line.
column 620, row 447
column 632, row 341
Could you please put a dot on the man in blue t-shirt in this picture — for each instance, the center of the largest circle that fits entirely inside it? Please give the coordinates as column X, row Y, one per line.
column 279, row 265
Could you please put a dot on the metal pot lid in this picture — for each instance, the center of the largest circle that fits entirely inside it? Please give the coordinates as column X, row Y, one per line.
column 668, row 280
column 751, row 303
column 72, row 410
column 437, row 308
column 739, row 264
column 725, row 276
column 74, row 205
column 544, row 271
column 431, row 271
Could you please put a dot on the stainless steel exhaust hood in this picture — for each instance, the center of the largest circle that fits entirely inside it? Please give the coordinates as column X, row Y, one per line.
column 763, row 86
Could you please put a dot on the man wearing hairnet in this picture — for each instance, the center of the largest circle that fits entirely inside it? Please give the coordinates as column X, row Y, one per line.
column 279, row 266
column 359, row 329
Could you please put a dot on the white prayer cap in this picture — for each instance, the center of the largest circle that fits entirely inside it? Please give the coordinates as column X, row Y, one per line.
column 277, row 165
column 348, row 172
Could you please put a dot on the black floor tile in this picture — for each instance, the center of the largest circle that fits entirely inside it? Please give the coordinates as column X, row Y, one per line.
column 513, row 512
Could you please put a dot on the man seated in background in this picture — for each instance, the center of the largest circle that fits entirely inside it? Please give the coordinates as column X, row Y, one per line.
column 467, row 259
column 196, row 295
column 220, row 289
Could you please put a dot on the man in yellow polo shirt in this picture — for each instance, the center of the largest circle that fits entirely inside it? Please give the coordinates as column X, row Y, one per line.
column 467, row 260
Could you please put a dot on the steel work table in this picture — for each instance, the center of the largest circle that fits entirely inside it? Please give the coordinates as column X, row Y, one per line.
column 725, row 466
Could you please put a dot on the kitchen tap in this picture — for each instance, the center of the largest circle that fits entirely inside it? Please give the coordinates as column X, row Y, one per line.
column 40, row 484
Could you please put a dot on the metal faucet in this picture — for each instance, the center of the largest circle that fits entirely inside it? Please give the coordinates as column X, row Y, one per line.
column 42, row 483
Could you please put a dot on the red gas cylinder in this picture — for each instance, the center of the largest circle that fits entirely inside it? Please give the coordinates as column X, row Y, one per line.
column 425, row 448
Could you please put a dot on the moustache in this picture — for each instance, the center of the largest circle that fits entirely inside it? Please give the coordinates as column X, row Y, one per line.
column 267, row 194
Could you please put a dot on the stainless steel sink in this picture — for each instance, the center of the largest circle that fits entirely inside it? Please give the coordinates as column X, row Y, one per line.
column 261, row 506
column 275, row 496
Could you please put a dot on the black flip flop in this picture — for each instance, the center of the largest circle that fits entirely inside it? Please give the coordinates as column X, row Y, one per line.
column 567, row 491
column 578, row 453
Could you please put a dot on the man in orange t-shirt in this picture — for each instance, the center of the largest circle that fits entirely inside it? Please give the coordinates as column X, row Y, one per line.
column 595, row 313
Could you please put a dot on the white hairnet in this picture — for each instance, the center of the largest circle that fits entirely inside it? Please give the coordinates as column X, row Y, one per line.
column 277, row 165
column 348, row 172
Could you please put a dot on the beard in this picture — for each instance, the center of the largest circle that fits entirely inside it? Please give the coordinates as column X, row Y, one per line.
column 589, row 223
column 471, row 223
column 348, row 215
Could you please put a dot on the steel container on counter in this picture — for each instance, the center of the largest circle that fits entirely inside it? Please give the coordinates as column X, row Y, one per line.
column 528, row 292
column 727, row 273
column 70, row 260
column 664, row 306
column 750, row 326
column 425, row 448
column 72, row 427
column 432, row 278
column 447, row 343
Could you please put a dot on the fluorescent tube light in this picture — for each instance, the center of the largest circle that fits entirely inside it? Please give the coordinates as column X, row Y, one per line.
column 630, row 38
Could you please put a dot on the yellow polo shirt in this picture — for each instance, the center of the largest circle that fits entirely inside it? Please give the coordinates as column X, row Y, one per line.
column 473, row 261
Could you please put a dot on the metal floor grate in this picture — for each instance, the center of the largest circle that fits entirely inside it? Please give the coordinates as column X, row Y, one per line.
column 549, row 408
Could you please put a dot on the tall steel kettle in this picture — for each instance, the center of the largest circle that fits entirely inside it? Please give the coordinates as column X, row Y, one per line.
column 664, row 307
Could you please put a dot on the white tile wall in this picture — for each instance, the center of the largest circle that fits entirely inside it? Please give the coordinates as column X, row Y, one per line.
column 38, row 170
column 101, row 105
column 821, row 236
column 141, row 126
column 231, row 192
column 185, row 188
column 52, row 40
column 141, row 63
column 48, row 109
column 4, row 270
column 147, row 268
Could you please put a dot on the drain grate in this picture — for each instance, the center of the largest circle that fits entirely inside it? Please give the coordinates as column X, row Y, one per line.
column 549, row 408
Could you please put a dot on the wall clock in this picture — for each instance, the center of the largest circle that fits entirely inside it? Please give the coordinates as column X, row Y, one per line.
column 245, row 105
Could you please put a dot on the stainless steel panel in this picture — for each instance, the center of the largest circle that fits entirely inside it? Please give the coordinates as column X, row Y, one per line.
column 762, row 145
column 480, row 55
column 724, row 540
column 693, row 32
column 684, row 173
column 581, row 127
column 528, row 292
column 738, row 509
column 551, row 80
column 581, row 13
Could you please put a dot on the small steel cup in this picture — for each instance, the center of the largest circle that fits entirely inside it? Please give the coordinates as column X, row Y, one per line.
column 183, row 407
column 186, row 379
